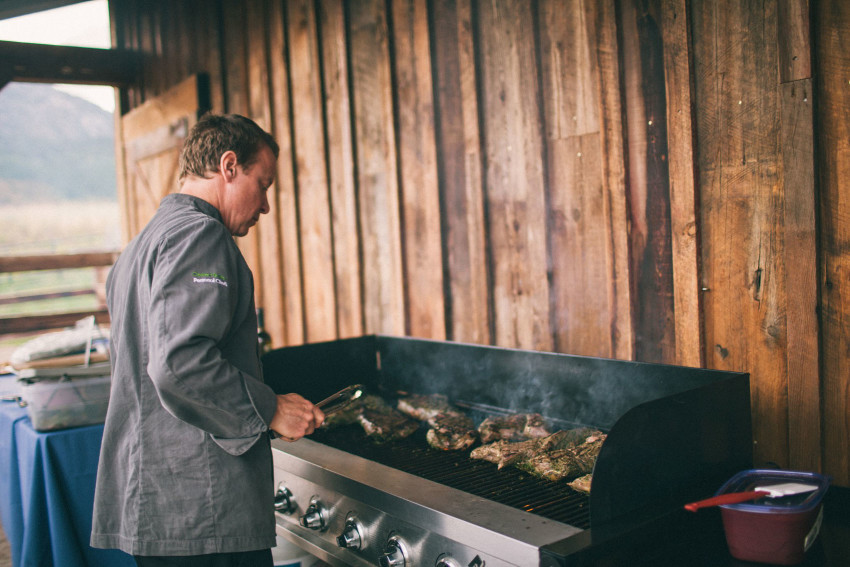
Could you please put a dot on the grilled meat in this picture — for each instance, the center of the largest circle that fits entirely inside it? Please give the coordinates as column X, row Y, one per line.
column 572, row 460
column 504, row 452
column 535, row 426
column 501, row 452
column 513, row 427
column 451, row 432
column 582, row 483
column 350, row 414
column 424, row 407
column 386, row 425
column 564, row 454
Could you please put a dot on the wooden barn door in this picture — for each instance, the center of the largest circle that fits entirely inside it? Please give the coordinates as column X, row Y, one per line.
column 151, row 136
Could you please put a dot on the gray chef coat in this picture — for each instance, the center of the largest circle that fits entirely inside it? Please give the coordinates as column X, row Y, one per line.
column 185, row 466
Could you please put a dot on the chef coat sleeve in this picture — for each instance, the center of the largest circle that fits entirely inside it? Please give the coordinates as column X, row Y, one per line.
column 196, row 295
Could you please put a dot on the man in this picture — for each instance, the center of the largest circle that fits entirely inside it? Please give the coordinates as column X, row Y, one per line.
column 185, row 473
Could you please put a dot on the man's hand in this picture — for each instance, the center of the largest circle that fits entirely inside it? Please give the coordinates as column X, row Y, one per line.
column 295, row 417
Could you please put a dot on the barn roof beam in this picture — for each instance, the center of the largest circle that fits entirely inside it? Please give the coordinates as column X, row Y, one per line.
column 34, row 62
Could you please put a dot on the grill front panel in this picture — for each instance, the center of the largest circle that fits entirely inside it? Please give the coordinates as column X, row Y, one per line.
column 435, row 522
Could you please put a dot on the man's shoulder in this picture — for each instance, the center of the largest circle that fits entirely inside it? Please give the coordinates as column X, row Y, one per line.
column 169, row 229
column 176, row 218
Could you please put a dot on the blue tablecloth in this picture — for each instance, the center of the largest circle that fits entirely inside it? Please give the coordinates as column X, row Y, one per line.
column 47, row 490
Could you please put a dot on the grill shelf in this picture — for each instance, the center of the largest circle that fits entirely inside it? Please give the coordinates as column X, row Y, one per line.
column 455, row 469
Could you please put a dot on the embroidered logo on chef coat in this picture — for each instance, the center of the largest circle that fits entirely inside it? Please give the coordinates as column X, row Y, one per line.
column 205, row 277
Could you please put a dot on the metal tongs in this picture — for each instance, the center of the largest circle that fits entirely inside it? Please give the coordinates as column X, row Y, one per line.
column 331, row 404
column 341, row 399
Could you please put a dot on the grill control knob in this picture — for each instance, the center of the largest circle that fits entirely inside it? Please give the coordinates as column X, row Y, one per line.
column 351, row 537
column 316, row 516
column 284, row 502
column 395, row 553
column 447, row 561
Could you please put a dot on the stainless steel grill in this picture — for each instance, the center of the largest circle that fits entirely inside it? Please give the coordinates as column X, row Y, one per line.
column 674, row 434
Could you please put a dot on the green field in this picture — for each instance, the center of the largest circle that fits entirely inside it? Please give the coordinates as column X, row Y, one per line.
column 59, row 228
column 23, row 284
column 54, row 228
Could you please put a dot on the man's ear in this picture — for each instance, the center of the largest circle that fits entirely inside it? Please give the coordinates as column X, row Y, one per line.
column 227, row 165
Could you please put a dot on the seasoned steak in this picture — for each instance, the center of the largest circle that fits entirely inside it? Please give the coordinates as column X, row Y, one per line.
column 513, row 427
column 425, row 406
column 384, row 426
column 566, row 461
column 582, row 483
column 504, row 452
column 564, row 454
column 350, row 414
column 451, row 432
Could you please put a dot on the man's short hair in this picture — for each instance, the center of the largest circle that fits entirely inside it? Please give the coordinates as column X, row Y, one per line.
column 215, row 134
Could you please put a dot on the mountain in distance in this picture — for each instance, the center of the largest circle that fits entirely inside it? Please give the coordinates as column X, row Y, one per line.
column 56, row 146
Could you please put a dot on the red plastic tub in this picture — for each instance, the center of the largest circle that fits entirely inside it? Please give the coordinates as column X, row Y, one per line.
column 773, row 530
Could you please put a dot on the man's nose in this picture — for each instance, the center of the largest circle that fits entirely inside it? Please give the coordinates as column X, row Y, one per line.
column 266, row 207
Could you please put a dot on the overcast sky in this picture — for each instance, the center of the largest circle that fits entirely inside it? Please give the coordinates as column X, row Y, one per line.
column 82, row 25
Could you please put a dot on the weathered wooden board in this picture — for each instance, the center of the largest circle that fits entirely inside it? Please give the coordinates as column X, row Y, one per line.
column 797, row 137
column 515, row 180
column 150, row 83
column 206, row 42
column 579, row 230
column 417, row 156
column 795, row 49
column 687, row 311
column 314, row 215
column 649, row 184
column 340, row 164
column 602, row 25
column 38, row 323
column 742, row 208
column 832, row 27
column 52, row 262
column 166, row 24
column 459, row 164
column 292, row 317
column 377, row 172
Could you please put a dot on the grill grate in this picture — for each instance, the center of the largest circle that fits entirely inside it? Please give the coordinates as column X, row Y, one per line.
column 512, row 487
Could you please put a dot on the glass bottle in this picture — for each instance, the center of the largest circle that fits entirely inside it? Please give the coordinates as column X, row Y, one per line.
column 263, row 337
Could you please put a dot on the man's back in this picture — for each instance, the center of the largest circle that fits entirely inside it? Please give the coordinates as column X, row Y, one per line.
column 187, row 445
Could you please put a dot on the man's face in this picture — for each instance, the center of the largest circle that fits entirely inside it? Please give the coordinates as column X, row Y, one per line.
column 247, row 196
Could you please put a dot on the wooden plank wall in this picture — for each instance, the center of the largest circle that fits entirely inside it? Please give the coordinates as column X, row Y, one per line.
column 832, row 126
column 622, row 178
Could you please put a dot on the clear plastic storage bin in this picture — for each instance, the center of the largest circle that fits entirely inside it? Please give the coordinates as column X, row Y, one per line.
column 66, row 402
